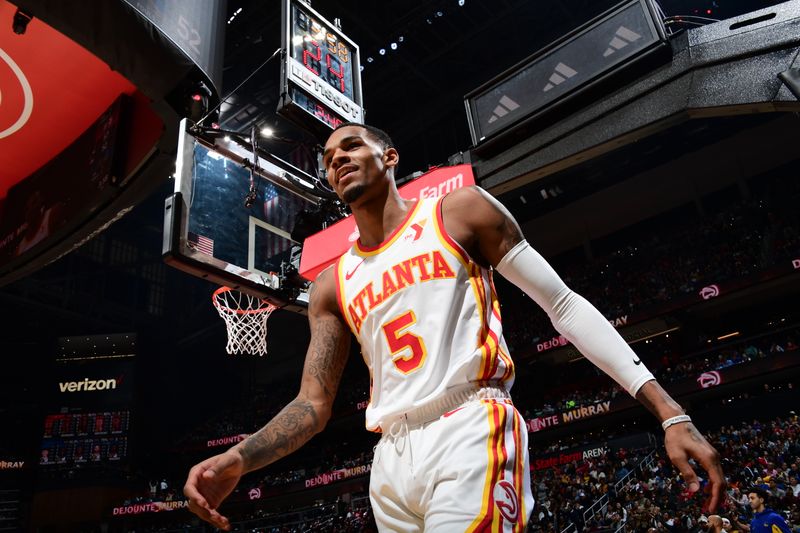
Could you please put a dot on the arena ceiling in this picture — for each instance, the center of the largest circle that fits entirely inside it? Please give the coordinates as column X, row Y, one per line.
column 415, row 92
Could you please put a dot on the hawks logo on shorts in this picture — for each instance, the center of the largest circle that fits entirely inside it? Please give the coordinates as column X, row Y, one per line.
column 506, row 500
column 419, row 333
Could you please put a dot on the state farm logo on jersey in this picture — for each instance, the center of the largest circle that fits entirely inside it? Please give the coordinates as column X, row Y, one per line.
column 506, row 499
column 709, row 379
column 16, row 96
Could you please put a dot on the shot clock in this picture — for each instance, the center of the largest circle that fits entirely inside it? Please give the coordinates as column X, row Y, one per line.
column 320, row 75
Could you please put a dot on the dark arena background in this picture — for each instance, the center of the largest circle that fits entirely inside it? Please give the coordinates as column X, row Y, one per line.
column 649, row 149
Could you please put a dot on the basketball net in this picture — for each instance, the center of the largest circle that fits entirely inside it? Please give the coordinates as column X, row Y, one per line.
column 245, row 318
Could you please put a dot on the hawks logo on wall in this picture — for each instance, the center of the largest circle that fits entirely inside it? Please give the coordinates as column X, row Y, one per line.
column 16, row 96
column 51, row 91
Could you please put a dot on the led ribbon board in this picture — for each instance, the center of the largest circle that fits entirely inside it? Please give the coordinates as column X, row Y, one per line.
column 321, row 74
column 572, row 65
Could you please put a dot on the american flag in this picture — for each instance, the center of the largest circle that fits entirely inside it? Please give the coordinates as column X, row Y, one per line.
column 279, row 211
column 202, row 244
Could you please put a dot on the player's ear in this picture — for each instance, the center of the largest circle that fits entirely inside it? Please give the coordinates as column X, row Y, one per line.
column 391, row 157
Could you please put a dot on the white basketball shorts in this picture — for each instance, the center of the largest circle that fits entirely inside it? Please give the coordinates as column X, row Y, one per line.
column 466, row 470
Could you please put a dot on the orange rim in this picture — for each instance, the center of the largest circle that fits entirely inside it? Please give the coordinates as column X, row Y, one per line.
column 217, row 300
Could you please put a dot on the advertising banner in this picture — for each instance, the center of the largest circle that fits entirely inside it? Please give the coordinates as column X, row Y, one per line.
column 562, row 458
column 11, row 464
column 320, row 480
column 338, row 475
column 690, row 384
column 642, row 323
column 150, row 507
column 571, row 415
column 106, row 383
column 226, row 441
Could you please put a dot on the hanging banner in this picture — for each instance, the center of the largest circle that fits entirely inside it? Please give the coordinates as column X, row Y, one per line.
column 150, row 507
column 690, row 384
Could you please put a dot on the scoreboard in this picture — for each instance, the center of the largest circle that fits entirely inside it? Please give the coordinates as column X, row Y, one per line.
column 321, row 71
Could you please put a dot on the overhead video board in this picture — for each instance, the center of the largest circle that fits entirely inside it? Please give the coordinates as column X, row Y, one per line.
column 321, row 74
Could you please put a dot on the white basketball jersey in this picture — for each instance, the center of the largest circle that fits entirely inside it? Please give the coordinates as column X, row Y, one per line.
column 426, row 315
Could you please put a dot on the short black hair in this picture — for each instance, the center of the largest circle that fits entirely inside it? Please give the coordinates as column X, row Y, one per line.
column 377, row 134
column 763, row 494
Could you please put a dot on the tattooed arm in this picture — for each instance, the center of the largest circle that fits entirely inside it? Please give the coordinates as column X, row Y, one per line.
column 308, row 413
column 211, row 481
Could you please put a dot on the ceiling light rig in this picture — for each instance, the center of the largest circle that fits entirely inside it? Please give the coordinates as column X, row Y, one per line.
column 429, row 19
column 235, row 14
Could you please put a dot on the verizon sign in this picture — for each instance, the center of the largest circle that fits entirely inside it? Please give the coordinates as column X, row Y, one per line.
column 88, row 385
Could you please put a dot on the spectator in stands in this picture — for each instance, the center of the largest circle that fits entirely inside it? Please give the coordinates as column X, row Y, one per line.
column 726, row 525
column 715, row 524
column 764, row 520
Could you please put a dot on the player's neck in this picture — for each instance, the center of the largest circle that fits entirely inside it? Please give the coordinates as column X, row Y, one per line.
column 376, row 220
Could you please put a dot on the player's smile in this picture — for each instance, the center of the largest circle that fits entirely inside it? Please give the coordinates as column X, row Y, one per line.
column 345, row 173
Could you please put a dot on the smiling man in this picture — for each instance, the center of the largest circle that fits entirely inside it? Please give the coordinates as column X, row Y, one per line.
column 416, row 291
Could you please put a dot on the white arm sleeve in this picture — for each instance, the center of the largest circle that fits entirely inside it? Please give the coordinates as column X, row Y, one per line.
column 574, row 317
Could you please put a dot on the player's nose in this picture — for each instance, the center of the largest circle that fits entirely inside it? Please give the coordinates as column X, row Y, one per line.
column 338, row 159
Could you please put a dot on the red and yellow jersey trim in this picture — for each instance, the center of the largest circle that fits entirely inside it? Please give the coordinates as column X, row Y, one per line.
column 447, row 240
column 490, row 519
column 519, row 477
column 367, row 251
column 487, row 341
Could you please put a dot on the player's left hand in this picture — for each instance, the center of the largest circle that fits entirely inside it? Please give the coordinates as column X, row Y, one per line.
column 683, row 442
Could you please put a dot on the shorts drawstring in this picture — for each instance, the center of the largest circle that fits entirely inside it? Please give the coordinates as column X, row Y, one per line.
column 399, row 433
column 398, row 427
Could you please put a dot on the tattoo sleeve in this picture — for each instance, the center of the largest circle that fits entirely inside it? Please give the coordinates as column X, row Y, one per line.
column 290, row 429
column 308, row 413
column 327, row 355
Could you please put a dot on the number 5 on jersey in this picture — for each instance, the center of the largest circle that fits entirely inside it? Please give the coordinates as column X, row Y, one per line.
column 400, row 341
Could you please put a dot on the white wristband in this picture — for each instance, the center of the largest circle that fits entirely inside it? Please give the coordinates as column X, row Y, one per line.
column 675, row 420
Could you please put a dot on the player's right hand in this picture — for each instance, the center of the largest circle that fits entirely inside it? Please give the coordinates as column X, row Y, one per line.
column 683, row 442
column 210, row 482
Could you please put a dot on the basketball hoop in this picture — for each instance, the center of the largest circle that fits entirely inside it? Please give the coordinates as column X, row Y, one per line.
column 245, row 318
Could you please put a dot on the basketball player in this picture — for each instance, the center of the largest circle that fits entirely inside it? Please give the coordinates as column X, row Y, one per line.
column 416, row 290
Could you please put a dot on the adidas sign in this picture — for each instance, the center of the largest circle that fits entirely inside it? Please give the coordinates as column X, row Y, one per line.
column 622, row 38
column 505, row 106
column 562, row 73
